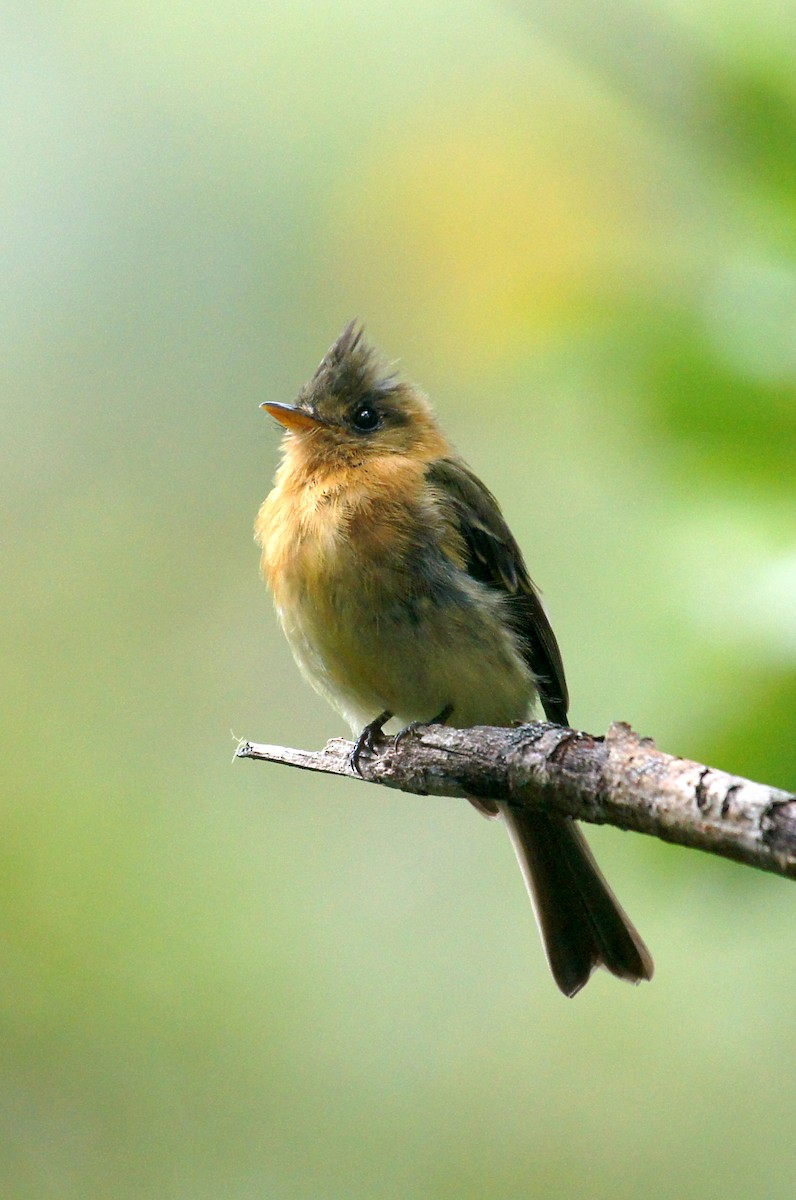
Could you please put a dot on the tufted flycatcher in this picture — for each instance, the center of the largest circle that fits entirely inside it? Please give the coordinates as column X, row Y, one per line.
column 403, row 594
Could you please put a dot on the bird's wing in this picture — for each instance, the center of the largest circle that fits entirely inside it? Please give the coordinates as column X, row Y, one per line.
column 494, row 558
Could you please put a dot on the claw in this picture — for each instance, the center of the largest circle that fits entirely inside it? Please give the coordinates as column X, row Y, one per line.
column 414, row 726
column 367, row 740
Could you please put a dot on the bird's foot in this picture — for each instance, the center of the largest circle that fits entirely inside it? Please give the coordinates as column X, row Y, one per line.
column 367, row 740
column 415, row 727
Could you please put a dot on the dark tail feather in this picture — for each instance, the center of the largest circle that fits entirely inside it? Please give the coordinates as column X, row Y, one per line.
column 582, row 923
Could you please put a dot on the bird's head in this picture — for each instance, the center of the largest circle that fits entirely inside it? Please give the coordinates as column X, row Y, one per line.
column 355, row 407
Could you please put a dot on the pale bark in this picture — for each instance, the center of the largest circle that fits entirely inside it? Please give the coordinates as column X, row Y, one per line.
column 620, row 779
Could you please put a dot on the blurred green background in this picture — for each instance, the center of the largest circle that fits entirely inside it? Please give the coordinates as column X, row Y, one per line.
column 575, row 226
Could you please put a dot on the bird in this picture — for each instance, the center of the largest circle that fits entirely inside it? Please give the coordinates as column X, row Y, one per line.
column 403, row 594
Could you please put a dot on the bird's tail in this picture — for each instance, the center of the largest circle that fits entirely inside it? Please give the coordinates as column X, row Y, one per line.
column 582, row 923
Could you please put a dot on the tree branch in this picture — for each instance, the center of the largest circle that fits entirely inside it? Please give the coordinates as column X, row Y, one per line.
column 621, row 780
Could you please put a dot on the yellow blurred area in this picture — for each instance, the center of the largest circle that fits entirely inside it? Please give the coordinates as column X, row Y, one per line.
column 504, row 218
column 499, row 244
column 574, row 227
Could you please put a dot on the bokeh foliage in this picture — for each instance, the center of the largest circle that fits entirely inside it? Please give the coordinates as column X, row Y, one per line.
column 576, row 226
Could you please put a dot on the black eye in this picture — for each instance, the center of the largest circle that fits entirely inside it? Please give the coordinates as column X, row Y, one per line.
column 366, row 418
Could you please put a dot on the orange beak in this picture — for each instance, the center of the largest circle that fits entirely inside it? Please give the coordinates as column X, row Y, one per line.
column 290, row 416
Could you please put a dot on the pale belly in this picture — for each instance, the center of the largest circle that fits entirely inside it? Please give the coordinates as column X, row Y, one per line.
column 412, row 655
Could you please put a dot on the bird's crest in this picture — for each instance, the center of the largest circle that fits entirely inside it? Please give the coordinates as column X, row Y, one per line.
column 351, row 368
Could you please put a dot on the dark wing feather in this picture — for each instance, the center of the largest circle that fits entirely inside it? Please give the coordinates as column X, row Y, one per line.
column 494, row 558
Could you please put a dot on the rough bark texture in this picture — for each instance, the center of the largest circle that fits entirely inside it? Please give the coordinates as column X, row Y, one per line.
column 620, row 779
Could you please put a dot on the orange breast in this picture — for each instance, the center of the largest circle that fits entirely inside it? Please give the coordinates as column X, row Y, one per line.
column 318, row 533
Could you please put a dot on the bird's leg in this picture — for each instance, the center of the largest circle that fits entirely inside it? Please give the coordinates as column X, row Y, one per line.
column 367, row 738
column 414, row 726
